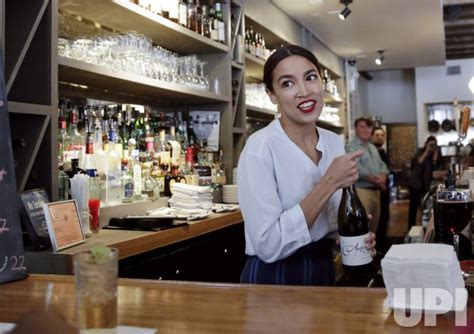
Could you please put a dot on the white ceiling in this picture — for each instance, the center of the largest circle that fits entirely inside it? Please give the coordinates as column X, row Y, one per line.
column 411, row 31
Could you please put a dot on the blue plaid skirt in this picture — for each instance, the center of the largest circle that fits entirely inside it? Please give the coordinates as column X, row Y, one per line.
column 310, row 265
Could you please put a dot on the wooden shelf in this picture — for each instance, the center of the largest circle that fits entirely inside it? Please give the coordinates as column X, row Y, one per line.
column 272, row 40
column 254, row 66
column 30, row 109
column 260, row 110
column 123, row 15
column 329, row 126
column 94, row 76
column 237, row 65
column 261, row 114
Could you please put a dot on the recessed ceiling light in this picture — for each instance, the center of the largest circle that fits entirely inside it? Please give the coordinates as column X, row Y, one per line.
column 315, row 2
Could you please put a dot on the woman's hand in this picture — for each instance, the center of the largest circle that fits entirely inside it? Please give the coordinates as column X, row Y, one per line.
column 343, row 170
column 370, row 244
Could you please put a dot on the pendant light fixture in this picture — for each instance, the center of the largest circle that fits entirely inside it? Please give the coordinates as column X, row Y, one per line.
column 346, row 11
column 379, row 60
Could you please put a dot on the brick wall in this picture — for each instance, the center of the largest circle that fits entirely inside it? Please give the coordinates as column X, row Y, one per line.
column 401, row 145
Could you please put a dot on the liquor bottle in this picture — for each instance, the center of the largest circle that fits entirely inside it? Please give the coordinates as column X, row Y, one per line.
column 221, row 178
column 193, row 140
column 113, row 185
column 174, row 146
column 190, row 14
column 183, row 12
column 157, row 174
column 168, row 177
column 137, row 178
column 199, row 22
column 251, row 41
column 353, row 229
column 155, row 6
column 127, row 183
column 206, row 25
column 163, row 149
column 62, row 133
column 89, row 161
column 174, row 10
column 165, row 9
column 213, row 22
column 220, row 23
column 75, row 148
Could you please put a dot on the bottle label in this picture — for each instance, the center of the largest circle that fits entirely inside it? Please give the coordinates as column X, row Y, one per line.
column 128, row 189
column 221, row 32
column 354, row 251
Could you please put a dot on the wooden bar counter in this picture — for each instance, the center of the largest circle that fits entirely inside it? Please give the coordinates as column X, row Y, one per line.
column 185, row 307
column 129, row 243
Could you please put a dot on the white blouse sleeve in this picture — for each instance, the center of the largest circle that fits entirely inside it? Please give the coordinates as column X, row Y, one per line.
column 274, row 233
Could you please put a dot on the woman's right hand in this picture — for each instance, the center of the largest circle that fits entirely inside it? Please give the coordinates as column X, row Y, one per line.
column 343, row 170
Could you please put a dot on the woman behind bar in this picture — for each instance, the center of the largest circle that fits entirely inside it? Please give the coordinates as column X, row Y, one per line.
column 290, row 175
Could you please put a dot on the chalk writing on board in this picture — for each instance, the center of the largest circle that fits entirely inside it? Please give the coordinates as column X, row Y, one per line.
column 17, row 263
column 4, row 264
column 3, row 226
column 2, row 173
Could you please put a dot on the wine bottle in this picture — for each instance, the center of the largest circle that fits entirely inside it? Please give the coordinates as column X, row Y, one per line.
column 353, row 229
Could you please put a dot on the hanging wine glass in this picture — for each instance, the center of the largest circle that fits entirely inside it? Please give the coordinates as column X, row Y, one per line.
column 203, row 80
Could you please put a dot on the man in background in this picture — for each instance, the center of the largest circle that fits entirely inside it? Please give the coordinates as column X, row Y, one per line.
column 372, row 170
column 378, row 139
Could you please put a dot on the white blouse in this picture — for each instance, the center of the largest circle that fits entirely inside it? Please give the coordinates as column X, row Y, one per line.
column 274, row 176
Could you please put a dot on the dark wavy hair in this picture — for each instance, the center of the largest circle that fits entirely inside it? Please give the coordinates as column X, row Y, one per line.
column 429, row 139
column 282, row 53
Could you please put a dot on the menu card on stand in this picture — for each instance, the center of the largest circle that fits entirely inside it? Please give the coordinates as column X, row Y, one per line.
column 64, row 224
column 32, row 215
column 12, row 258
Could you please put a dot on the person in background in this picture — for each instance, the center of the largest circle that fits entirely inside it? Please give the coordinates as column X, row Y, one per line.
column 372, row 170
column 426, row 161
column 378, row 139
column 290, row 174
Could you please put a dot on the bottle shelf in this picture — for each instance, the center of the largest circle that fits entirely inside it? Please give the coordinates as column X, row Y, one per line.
column 254, row 66
column 123, row 15
column 237, row 65
column 330, row 126
column 95, row 76
column 329, row 98
column 260, row 113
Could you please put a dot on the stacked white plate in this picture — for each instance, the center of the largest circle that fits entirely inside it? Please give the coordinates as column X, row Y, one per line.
column 234, row 176
column 229, row 194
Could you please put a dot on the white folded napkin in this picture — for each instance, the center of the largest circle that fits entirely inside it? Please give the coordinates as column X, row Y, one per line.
column 421, row 266
column 190, row 189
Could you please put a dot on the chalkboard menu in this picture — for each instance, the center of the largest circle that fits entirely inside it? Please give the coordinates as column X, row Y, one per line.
column 32, row 216
column 12, row 259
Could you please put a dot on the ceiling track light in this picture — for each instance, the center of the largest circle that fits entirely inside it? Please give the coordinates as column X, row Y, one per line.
column 346, row 11
column 379, row 60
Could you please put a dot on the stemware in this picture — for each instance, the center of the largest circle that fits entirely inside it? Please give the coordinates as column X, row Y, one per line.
column 454, row 210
